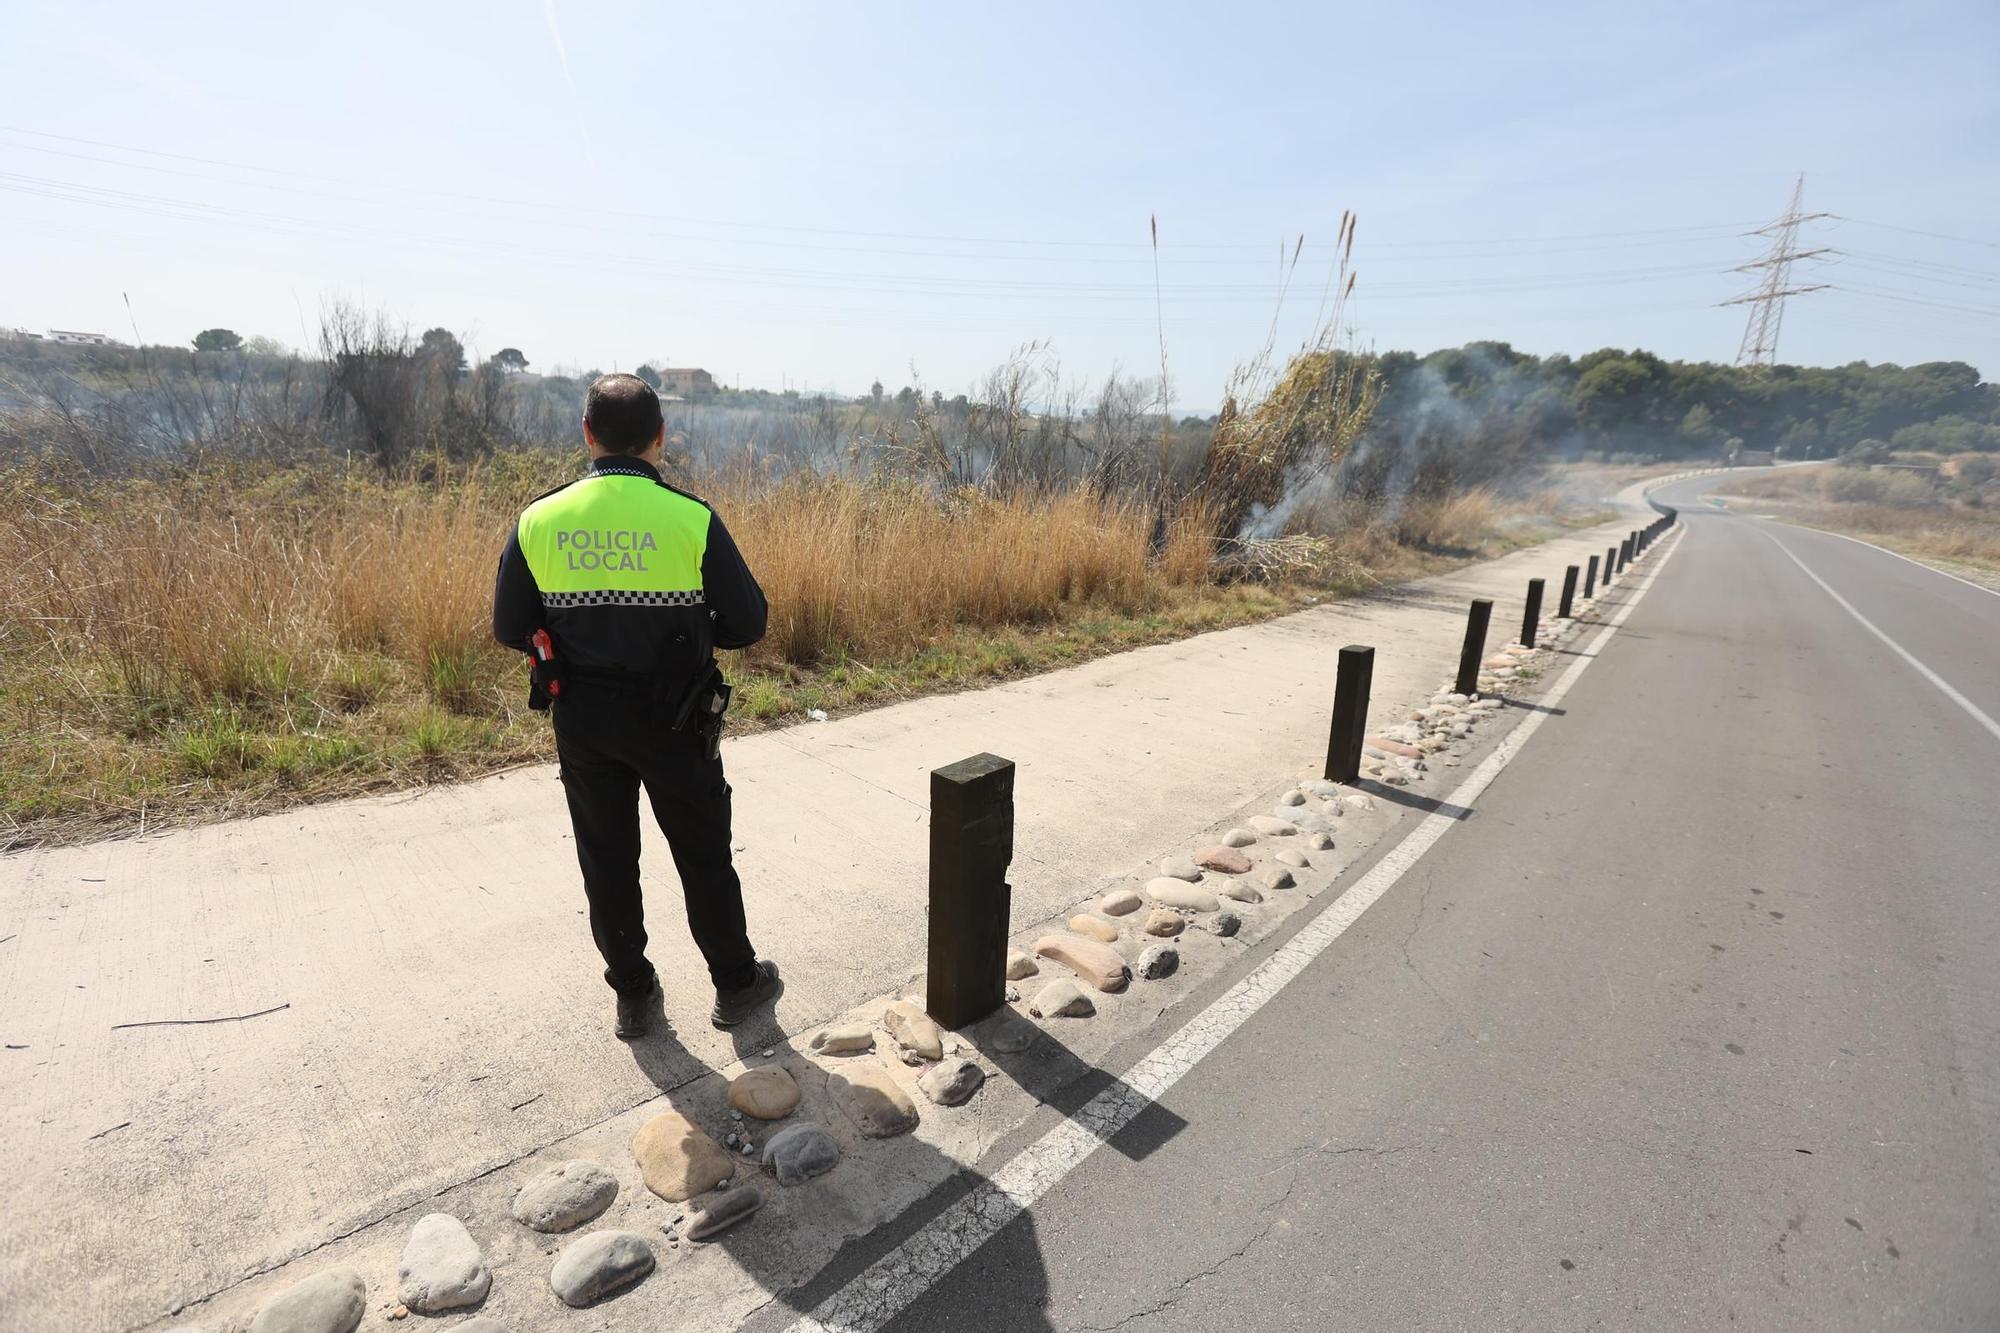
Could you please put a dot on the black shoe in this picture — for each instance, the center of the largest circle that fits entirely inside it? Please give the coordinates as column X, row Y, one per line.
column 733, row 1006
column 634, row 1012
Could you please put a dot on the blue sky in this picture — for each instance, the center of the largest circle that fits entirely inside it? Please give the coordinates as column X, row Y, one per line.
column 822, row 195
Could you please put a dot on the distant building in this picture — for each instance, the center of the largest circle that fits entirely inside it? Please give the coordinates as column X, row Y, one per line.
column 72, row 338
column 1928, row 471
column 687, row 383
column 21, row 335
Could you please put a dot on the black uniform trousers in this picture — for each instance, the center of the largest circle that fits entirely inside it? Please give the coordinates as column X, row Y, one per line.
column 610, row 740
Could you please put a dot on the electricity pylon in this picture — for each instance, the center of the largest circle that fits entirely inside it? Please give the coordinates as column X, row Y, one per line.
column 1767, row 303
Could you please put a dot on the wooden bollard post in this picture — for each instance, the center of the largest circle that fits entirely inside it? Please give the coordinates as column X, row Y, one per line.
column 1610, row 564
column 1567, row 605
column 1531, row 621
column 1474, row 647
column 1351, row 683
column 972, row 842
column 1590, row 580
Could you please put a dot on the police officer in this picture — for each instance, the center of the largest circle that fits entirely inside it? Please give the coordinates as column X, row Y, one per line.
column 636, row 584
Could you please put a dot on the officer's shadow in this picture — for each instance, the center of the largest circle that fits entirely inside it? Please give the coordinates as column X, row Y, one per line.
column 784, row 1247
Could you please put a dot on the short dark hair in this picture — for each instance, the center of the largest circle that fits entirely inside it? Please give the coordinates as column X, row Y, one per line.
column 623, row 413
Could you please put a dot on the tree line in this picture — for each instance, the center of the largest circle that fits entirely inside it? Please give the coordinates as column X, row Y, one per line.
column 1471, row 414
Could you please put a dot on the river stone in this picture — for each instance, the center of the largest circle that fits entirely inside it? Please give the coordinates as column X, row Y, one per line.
column 677, row 1160
column 844, row 1039
column 1062, row 999
column 1094, row 961
column 952, row 1082
column 1307, row 822
column 1159, row 960
column 1181, row 867
column 565, row 1196
column 875, row 1102
column 723, row 1212
column 1356, row 802
column 598, row 1264
column 799, row 1152
column 914, row 1030
column 1499, row 659
column 1503, row 673
column 1293, row 797
column 1238, row 837
column 1272, row 826
column 329, row 1302
column 769, row 1093
column 1165, row 923
column 1237, row 891
column 442, row 1268
column 1020, row 967
column 1320, row 842
column 1228, row 860
column 1224, row 924
column 1296, row 860
column 1402, row 749
column 1096, row 927
column 1323, row 789
column 1120, row 902
column 1173, row 893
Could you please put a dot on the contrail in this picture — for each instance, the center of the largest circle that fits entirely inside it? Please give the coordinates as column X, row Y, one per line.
column 576, row 100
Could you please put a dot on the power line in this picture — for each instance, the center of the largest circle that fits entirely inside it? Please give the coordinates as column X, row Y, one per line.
column 591, row 221
column 1192, row 293
column 1918, row 231
column 1261, row 249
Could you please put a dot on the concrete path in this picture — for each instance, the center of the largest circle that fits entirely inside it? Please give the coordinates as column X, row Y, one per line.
column 426, row 996
column 1694, row 1025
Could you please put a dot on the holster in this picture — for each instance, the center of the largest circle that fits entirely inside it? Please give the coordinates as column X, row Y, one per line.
column 702, row 710
column 541, row 675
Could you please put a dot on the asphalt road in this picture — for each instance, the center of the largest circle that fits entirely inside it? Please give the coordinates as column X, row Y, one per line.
column 1694, row 1023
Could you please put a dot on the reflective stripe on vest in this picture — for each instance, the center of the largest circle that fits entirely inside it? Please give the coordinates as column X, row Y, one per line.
column 616, row 539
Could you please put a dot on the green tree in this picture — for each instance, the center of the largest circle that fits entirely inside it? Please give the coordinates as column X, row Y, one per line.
column 217, row 340
column 650, row 375
column 1698, row 427
column 510, row 359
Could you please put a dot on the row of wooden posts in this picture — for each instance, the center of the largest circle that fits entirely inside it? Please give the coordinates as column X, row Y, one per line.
column 1356, row 671
column 972, row 801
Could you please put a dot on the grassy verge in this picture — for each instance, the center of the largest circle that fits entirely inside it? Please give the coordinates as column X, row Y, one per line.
column 1905, row 513
column 199, row 646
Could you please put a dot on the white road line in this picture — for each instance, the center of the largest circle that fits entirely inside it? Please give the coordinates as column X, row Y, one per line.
column 1978, row 714
column 1908, row 560
column 886, row 1287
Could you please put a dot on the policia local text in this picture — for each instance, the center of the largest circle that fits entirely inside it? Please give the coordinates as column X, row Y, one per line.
column 606, row 548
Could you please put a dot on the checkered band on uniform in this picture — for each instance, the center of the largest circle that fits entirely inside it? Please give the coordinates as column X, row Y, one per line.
column 619, row 597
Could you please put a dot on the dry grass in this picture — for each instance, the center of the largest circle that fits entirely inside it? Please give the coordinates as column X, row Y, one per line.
column 1899, row 510
column 224, row 641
